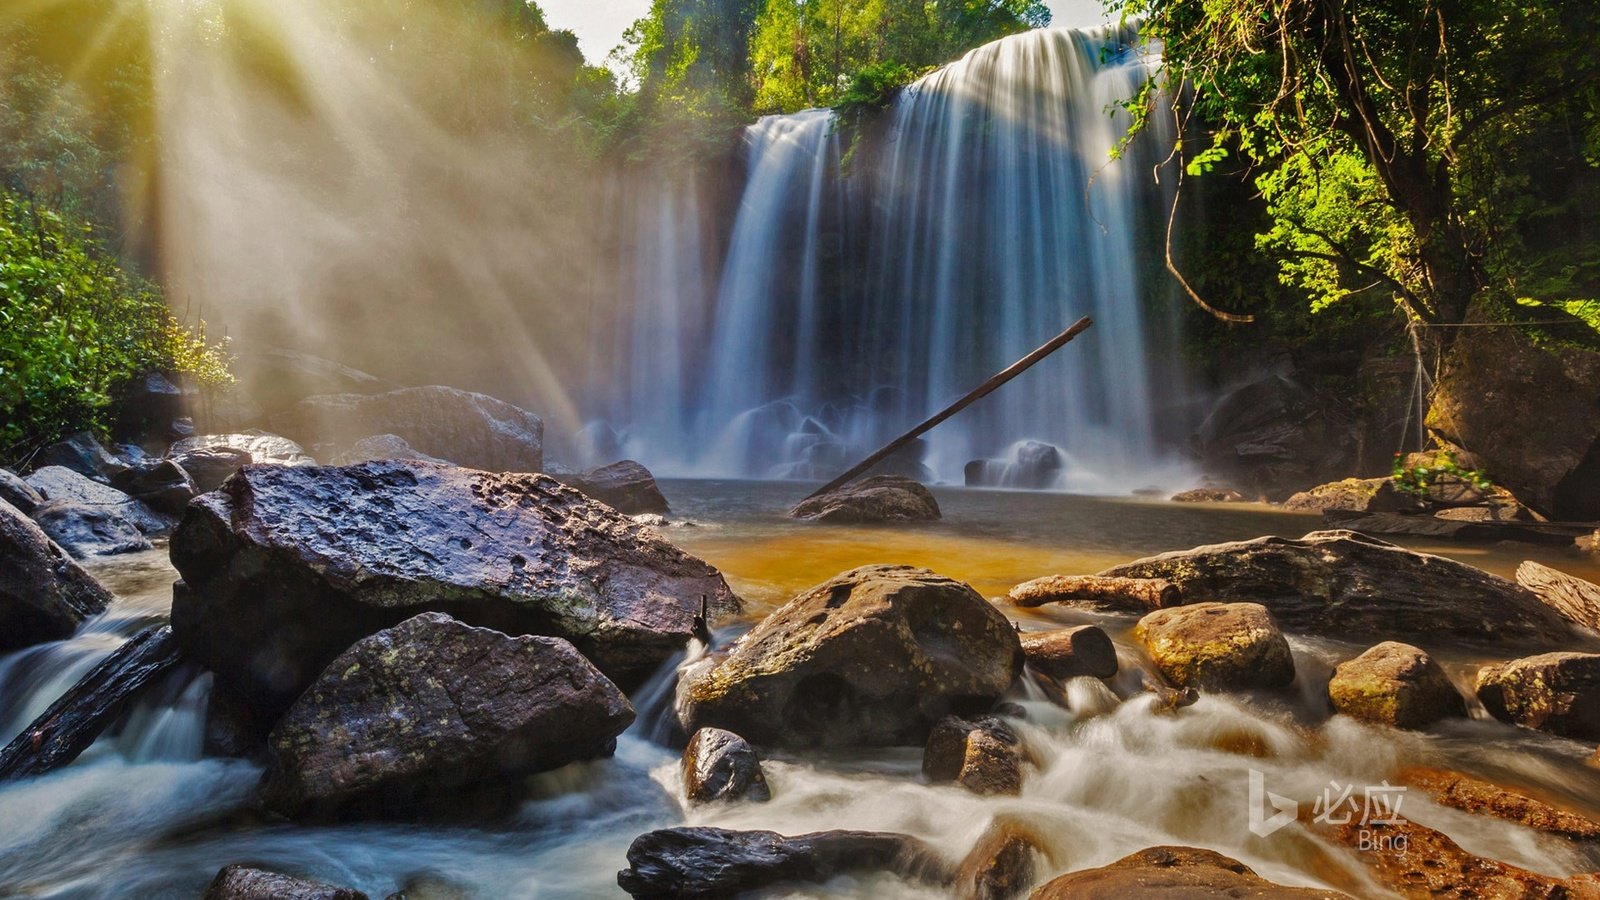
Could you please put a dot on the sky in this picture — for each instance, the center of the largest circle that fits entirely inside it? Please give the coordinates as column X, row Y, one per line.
column 599, row 23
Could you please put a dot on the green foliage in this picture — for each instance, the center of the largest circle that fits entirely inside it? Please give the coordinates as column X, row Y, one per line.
column 74, row 328
column 1419, row 481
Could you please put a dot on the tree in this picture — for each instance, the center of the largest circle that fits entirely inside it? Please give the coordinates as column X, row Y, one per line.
column 1385, row 133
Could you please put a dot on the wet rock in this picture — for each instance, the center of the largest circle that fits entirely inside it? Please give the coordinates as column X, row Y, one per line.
column 1527, row 413
column 18, row 493
column 471, row 429
column 285, row 567
column 873, row 657
column 1360, row 494
column 1395, row 684
column 1210, row 495
column 1554, row 692
column 243, row 882
column 1475, row 795
column 381, row 446
column 1070, row 652
column 149, row 407
column 1097, row 592
column 626, row 486
column 433, row 887
column 161, row 484
column 81, row 453
column 63, row 731
column 1004, row 864
column 1218, row 646
column 1173, row 872
column 1576, row 600
column 1348, row 585
column 1170, row 700
column 1460, row 525
column 717, row 862
column 264, row 448
column 44, row 595
column 433, row 710
column 720, row 765
column 209, row 467
column 1032, row 465
column 878, row 498
column 982, row 755
column 56, row 483
column 86, row 531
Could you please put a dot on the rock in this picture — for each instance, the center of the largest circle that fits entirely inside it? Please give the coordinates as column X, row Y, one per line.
column 1395, row 684
column 63, row 731
column 1526, row 413
column 982, row 755
column 264, row 448
column 434, row 710
column 1070, row 652
column 44, row 595
column 1004, row 864
column 381, row 446
column 83, row 454
column 149, row 407
column 471, row 429
column 1032, row 465
column 86, row 531
column 18, row 493
column 285, row 567
column 873, row 657
column 1453, row 525
column 1360, row 494
column 1218, row 646
column 209, row 467
column 1415, row 861
column 161, row 484
column 1347, row 585
column 877, row 498
column 720, row 765
column 1576, row 600
column 1178, row 872
column 242, row 882
column 1096, row 592
column 1474, row 795
column 1210, row 495
column 277, row 378
column 61, row 484
column 428, row 886
column 717, row 862
column 625, row 486
column 1554, row 692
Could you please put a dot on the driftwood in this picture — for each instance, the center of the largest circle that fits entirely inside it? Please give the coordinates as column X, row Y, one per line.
column 1138, row 595
column 1572, row 597
column 973, row 396
column 73, row 722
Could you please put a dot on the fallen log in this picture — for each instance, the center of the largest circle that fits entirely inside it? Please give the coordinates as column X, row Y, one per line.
column 1572, row 597
column 1138, row 595
column 72, row 723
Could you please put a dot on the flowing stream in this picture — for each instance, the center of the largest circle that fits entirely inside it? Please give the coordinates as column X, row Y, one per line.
column 142, row 815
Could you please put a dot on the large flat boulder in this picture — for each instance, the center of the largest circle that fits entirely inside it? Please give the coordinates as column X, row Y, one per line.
column 1178, row 872
column 286, row 567
column 469, row 429
column 873, row 657
column 44, row 595
column 1348, row 585
column 433, row 711
column 60, row 484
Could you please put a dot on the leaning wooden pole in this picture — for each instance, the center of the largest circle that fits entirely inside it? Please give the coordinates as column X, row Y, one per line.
column 976, row 394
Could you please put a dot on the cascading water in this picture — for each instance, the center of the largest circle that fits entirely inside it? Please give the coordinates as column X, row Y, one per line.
column 864, row 287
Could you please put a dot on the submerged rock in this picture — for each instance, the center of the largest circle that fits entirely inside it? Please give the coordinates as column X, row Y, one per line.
column 1395, row 684
column 717, row 862
column 1344, row 584
column 1554, row 692
column 720, row 765
column 1071, row 652
column 470, row 429
column 85, row 531
column 1177, row 872
column 242, row 882
column 381, row 446
column 626, row 486
column 44, row 595
column 877, row 498
column 1474, row 795
column 285, row 567
column 431, row 710
column 873, row 657
column 1004, row 864
column 982, row 755
column 1218, row 646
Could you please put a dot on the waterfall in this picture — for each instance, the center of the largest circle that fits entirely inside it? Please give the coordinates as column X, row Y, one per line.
column 869, row 280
